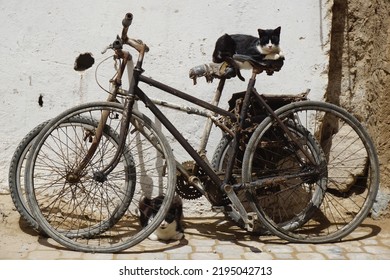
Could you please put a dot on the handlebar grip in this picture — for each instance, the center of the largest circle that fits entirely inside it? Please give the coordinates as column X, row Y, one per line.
column 126, row 22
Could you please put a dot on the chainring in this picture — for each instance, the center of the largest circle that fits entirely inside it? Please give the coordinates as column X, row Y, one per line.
column 183, row 189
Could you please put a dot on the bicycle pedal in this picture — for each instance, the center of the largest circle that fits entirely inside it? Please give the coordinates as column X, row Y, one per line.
column 254, row 225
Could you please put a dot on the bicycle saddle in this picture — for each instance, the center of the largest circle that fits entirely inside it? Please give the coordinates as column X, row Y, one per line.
column 257, row 62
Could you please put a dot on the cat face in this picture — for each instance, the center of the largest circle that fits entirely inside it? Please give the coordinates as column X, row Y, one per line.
column 269, row 40
column 169, row 219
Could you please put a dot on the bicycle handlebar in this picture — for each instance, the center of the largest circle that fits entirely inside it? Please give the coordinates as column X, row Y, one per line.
column 126, row 22
column 140, row 46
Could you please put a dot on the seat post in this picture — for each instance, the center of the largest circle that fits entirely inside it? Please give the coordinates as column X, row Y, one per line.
column 241, row 123
column 255, row 72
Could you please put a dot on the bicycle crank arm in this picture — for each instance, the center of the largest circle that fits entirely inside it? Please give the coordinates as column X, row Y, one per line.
column 249, row 223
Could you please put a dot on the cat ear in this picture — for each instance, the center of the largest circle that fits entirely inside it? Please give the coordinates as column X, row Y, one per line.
column 277, row 30
column 261, row 32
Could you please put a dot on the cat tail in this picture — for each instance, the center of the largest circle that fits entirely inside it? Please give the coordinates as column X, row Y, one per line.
column 236, row 67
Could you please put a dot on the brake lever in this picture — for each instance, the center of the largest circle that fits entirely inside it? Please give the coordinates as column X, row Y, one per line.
column 106, row 49
column 116, row 45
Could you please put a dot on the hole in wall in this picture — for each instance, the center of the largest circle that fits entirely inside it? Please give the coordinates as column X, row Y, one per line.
column 83, row 62
column 40, row 100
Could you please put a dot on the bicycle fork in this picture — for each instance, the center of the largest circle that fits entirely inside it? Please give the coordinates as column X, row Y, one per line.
column 101, row 175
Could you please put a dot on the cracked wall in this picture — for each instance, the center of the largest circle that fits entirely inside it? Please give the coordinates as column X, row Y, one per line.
column 359, row 71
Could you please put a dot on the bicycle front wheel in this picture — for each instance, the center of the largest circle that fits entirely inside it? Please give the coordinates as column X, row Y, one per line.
column 350, row 173
column 90, row 212
column 19, row 158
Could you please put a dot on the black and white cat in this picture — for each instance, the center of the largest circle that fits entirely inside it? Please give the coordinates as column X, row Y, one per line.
column 264, row 47
column 171, row 227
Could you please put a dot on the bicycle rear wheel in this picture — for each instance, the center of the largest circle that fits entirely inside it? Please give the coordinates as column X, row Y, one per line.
column 92, row 213
column 351, row 173
column 16, row 176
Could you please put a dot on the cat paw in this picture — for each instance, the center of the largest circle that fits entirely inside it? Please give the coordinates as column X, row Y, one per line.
column 153, row 237
column 274, row 56
column 179, row 236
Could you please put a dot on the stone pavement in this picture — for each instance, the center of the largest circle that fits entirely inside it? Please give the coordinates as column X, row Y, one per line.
column 210, row 238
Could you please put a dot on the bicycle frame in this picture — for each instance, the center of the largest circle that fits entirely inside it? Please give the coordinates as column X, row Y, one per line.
column 135, row 93
column 213, row 108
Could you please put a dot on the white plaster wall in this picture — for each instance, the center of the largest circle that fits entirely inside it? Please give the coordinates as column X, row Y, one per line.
column 41, row 39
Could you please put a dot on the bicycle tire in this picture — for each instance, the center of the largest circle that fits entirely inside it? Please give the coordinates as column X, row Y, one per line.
column 351, row 173
column 154, row 174
column 16, row 176
column 219, row 162
column 17, row 167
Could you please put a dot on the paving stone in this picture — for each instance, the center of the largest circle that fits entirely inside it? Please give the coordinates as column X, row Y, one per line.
column 361, row 256
column 385, row 242
column 204, row 249
column 229, row 249
column 44, row 255
column 178, row 256
column 154, row 256
column 205, row 256
column 181, row 250
column 310, row 256
column 332, row 251
column 97, row 256
column 125, row 256
column 302, row 247
column 11, row 255
column 353, row 246
column 369, row 241
column 71, row 255
column 201, row 242
column 277, row 249
column 283, row 256
column 258, row 256
column 377, row 250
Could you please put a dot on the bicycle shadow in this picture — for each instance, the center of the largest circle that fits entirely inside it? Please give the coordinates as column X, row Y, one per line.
column 216, row 228
column 149, row 247
column 27, row 229
column 224, row 230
